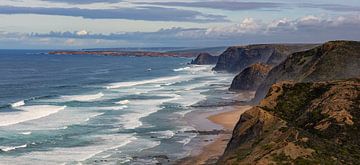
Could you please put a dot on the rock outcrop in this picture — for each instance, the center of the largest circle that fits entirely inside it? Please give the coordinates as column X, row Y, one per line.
column 250, row 78
column 205, row 59
column 300, row 123
column 237, row 58
column 330, row 61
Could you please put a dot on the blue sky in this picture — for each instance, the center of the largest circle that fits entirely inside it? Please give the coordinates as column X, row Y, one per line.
column 73, row 24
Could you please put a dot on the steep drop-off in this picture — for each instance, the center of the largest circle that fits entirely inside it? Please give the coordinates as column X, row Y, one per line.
column 300, row 123
column 205, row 59
column 250, row 78
column 237, row 58
column 330, row 61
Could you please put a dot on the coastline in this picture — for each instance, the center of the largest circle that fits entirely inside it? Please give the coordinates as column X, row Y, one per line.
column 225, row 119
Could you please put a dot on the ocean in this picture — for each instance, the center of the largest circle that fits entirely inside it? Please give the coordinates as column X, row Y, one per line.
column 68, row 109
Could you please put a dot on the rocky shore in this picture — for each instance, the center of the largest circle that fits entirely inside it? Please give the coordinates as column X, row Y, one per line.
column 308, row 109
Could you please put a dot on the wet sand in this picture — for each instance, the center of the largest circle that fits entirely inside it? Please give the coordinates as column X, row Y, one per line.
column 209, row 154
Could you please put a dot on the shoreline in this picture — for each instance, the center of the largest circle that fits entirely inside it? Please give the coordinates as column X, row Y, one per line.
column 225, row 119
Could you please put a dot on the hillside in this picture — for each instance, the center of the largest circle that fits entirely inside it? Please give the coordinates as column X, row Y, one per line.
column 237, row 58
column 250, row 78
column 205, row 59
column 300, row 123
column 330, row 61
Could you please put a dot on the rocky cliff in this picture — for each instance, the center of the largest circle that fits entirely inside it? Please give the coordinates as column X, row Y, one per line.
column 237, row 58
column 205, row 59
column 250, row 78
column 300, row 123
column 330, row 61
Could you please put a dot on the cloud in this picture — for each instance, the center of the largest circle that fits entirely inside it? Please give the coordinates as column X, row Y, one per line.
column 240, row 6
column 83, row 1
column 310, row 28
column 144, row 13
column 331, row 7
column 81, row 33
column 162, row 34
column 223, row 5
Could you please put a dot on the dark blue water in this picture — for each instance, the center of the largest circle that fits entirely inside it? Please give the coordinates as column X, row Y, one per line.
column 57, row 109
column 26, row 74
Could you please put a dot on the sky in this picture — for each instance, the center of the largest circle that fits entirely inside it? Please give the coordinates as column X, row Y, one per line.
column 77, row 24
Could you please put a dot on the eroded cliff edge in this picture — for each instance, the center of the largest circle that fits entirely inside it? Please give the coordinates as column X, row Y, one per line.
column 300, row 123
column 250, row 78
column 205, row 59
column 237, row 58
column 330, row 61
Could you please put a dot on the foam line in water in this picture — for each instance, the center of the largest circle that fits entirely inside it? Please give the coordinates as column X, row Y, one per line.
column 26, row 133
column 123, row 102
column 113, row 108
column 195, row 68
column 10, row 148
column 134, row 83
column 73, row 155
column 124, row 141
column 181, row 69
column 18, row 104
column 83, row 98
column 164, row 134
column 143, row 108
column 189, row 136
column 28, row 113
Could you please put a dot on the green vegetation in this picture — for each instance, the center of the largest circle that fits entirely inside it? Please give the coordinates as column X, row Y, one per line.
column 267, row 146
column 281, row 159
column 242, row 155
column 294, row 100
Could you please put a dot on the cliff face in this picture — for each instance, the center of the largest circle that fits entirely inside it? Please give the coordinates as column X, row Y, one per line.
column 205, row 59
column 300, row 123
column 237, row 58
column 330, row 61
column 250, row 78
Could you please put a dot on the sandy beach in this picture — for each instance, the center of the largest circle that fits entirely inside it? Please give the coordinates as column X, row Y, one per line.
column 226, row 119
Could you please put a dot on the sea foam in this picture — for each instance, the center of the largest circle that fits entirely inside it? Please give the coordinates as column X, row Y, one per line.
column 28, row 113
column 181, row 69
column 18, row 104
column 142, row 108
column 164, row 134
column 134, row 83
column 10, row 148
column 113, row 107
column 26, row 133
column 83, row 98
column 123, row 102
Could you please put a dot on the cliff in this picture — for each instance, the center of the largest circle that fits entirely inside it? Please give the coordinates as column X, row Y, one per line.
column 250, row 78
column 300, row 123
column 330, row 61
column 205, row 59
column 237, row 58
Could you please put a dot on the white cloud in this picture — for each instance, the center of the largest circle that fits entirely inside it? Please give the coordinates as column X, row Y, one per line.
column 82, row 33
column 283, row 24
column 309, row 28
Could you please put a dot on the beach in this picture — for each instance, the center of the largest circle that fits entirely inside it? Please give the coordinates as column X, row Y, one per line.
column 224, row 119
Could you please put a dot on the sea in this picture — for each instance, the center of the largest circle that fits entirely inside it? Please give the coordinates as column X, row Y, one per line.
column 84, row 109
